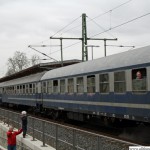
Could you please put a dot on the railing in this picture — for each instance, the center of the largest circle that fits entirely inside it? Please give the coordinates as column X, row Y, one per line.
column 63, row 137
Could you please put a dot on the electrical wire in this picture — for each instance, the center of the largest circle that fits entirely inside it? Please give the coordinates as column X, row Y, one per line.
column 66, row 47
column 122, row 24
column 100, row 26
column 120, row 46
column 112, row 9
column 42, row 53
column 106, row 31
column 92, row 19
column 109, row 11
column 65, row 26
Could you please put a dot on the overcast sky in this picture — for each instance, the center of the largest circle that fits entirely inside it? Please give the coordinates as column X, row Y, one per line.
column 32, row 22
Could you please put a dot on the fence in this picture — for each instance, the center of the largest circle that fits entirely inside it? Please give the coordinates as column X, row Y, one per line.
column 3, row 142
column 63, row 137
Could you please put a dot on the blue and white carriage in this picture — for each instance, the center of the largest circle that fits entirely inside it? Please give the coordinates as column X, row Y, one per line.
column 104, row 87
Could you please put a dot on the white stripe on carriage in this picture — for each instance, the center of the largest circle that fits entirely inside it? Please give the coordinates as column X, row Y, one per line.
column 126, row 105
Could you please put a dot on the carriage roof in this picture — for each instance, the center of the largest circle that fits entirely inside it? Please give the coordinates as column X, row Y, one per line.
column 23, row 80
column 126, row 59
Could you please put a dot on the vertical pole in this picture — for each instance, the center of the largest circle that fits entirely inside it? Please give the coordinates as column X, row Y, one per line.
column 61, row 51
column 84, row 39
column 19, row 121
column 8, row 118
column 43, row 127
column 56, row 137
column 74, row 140
column 92, row 52
column 105, row 47
column 33, row 130
column 98, row 143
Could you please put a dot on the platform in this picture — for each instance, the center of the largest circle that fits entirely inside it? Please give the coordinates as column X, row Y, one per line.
column 26, row 143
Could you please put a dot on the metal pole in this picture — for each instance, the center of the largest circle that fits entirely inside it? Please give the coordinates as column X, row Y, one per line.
column 92, row 52
column 84, row 37
column 74, row 140
column 33, row 130
column 19, row 121
column 43, row 136
column 56, row 137
column 105, row 47
column 98, row 143
column 8, row 118
column 61, row 51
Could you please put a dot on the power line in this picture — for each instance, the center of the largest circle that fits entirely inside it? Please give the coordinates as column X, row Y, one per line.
column 120, row 46
column 121, row 24
column 92, row 19
column 112, row 9
column 106, row 31
column 42, row 53
column 100, row 15
column 66, row 26
column 100, row 26
column 72, row 28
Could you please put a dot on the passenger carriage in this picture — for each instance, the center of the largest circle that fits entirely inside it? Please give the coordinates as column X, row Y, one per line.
column 102, row 88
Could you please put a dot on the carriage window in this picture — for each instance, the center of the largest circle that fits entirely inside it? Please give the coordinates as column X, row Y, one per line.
column 62, row 86
column 20, row 89
column 49, row 87
column 139, row 80
column 24, row 89
column 91, row 84
column 34, row 88
column 27, row 88
column 119, row 82
column 44, row 87
column 80, row 85
column 0, row 90
column 70, row 85
column 11, row 92
column 30, row 88
column 55, row 86
column 104, row 83
column 6, row 90
column 14, row 89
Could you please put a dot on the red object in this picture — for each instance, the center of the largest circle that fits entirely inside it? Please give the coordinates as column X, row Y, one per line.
column 11, row 137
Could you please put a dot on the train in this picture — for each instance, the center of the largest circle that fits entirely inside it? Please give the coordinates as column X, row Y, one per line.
column 107, row 89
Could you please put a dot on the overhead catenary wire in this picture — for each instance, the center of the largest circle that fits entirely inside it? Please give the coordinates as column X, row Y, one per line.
column 112, row 9
column 122, row 24
column 92, row 19
column 100, row 26
column 107, row 30
column 65, row 26
column 120, row 46
column 42, row 53
column 109, row 11
column 66, row 47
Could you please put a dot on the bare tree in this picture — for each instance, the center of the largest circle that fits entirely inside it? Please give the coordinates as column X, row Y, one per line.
column 35, row 59
column 17, row 63
column 20, row 61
